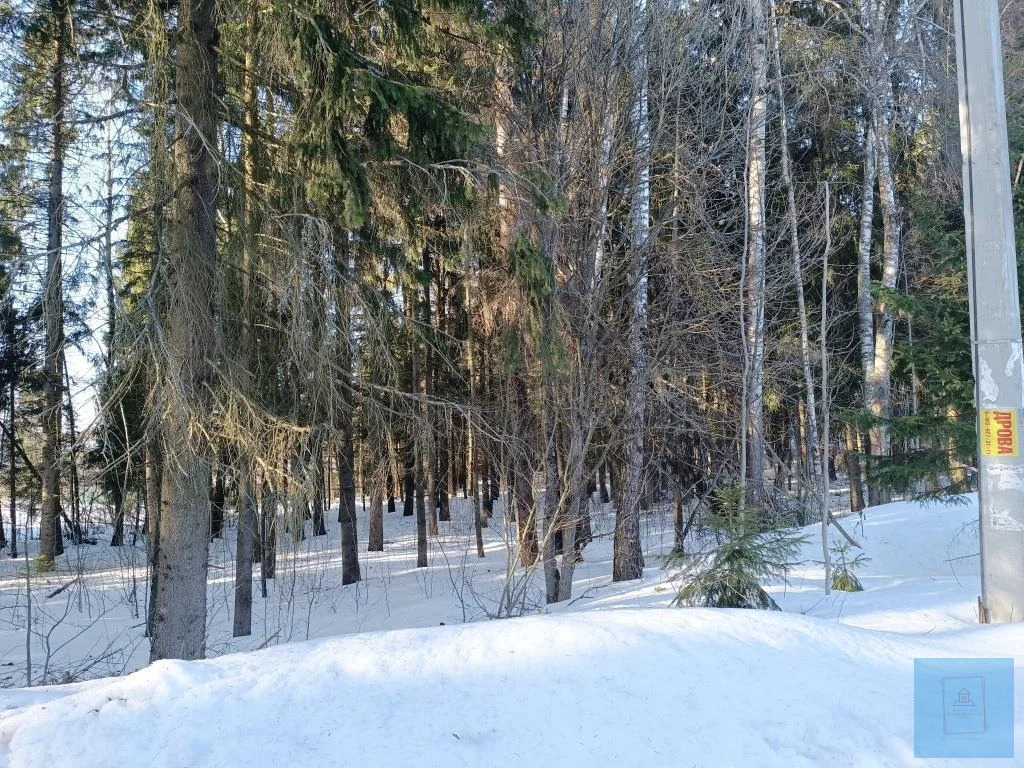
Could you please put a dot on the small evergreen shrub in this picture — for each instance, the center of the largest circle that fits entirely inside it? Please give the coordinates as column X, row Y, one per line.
column 748, row 552
column 843, row 577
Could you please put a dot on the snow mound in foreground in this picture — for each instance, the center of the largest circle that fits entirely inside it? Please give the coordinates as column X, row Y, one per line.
column 651, row 687
column 615, row 680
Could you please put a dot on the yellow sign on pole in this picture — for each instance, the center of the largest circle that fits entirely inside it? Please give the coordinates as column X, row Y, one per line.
column 1000, row 434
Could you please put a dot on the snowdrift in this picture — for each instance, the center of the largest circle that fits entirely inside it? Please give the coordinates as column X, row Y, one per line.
column 616, row 679
column 652, row 687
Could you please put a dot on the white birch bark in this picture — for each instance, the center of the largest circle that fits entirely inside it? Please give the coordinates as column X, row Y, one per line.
column 755, row 256
column 865, row 303
column 886, row 321
column 877, row 322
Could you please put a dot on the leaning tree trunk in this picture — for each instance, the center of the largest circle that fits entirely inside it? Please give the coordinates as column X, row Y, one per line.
column 813, row 455
column 179, row 618
column 53, row 302
column 755, row 256
column 628, row 562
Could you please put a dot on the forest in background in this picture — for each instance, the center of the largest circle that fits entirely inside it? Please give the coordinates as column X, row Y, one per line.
column 258, row 255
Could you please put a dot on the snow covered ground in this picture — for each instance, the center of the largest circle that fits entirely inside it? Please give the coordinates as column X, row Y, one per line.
column 616, row 678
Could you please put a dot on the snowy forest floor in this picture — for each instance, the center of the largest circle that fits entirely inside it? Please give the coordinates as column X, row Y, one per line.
column 613, row 677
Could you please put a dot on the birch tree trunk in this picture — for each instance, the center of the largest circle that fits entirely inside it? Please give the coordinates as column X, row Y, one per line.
column 877, row 322
column 755, row 257
column 885, row 321
column 865, row 303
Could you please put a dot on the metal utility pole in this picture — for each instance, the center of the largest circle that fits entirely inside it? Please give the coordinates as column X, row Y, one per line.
column 995, row 309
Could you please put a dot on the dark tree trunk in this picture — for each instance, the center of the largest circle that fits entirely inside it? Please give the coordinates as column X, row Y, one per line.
column 347, row 510
column 421, row 514
column 409, row 482
column 53, row 302
column 117, row 499
column 523, row 474
column 217, row 504
column 319, row 523
column 430, row 461
column 678, row 525
column 179, row 628
column 485, row 491
column 3, row 533
column 248, row 513
column 444, row 471
column 430, row 443
column 13, row 474
column 268, row 537
column 242, row 625
column 257, row 535
column 154, row 507
column 375, row 536
column 584, row 529
column 75, row 523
